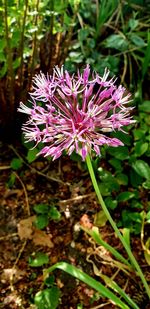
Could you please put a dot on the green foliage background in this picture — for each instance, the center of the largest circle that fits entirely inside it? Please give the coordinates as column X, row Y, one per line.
column 112, row 34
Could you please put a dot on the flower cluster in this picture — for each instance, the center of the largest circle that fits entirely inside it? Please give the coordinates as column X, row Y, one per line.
column 75, row 112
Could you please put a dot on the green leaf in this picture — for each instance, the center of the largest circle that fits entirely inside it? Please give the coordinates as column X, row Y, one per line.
column 39, row 259
column 41, row 208
column 16, row 164
column 132, row 220
column 11, row 180
column 15, row 38
column 84, row 33
column 49, row 281
column 140, row 148
column 3, row 70
column 53, row 213
column 138, row 134
column 109, row 181
column 2, row 44
column 122, row 179
column 136, row 204
column 120, row 153
column 123, row 137
column 148, row 217
column 2, row 57
column 126, row 236
column 95, row 234
column 146, row 184
column 32, row 155
column 133, row 23
column 137, row 40
column 104, row 189
column 111, row 203
column 41, row 221
column 117, row 41
column 48, row 298
column 16, row 63
column 114, row 286
column 80, row 275
column 144, row 107
column 116, row 164
column 125, row 196
column 142, row 168
column 135, row 178
column 100, row 219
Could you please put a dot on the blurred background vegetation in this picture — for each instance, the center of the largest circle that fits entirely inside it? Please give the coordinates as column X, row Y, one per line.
column 38, row 34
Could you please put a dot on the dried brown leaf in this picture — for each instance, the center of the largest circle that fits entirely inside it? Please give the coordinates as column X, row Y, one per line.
column 25, row 228
column 14, row 273
column 40, row 238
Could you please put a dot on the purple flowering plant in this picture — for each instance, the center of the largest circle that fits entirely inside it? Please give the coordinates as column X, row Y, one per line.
column 77, row 113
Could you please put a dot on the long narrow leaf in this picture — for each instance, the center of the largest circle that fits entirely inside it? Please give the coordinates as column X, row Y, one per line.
column 114, row 286
column 94, row 233
column 79, row 274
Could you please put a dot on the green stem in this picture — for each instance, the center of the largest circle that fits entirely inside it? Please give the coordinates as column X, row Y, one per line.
column 34, row 43
column 113, row 224
column 22, row 41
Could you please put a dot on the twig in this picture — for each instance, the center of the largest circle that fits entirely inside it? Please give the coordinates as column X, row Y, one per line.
column 49, row 177
column 5, row 167
column 25, row 242
column 8, row 236
column 101, row 306
column 16, row 262
column 124, row 68
column 36, row 171
column 126, row 284
column 79, row 197
column 25, row 193
column 118, row 31
column 126, row 51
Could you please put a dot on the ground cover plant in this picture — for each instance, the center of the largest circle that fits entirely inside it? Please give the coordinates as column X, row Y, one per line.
column 58, row 248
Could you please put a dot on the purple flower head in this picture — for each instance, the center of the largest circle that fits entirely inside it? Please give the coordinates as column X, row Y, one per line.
column 77, row 112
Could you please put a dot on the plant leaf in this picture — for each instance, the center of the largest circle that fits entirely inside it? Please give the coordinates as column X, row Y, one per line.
column 48, row 298
column 142, row 168
column 144, row 107
column 137, row 40
column 32, row 155
column 41, row 221
column 100, row 218
column 38, row 260
column 125, row 196
column 53, row 213
column 16, row 163
column 80, row 275
column 117, row 41
column 41, row 208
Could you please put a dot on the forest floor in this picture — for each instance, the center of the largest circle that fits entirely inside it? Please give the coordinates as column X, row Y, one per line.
column 66, row 185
